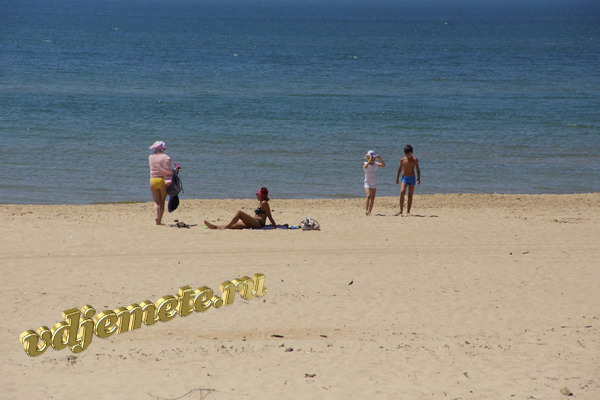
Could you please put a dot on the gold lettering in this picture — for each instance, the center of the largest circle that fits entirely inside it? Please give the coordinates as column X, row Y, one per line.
column 217, row 302
column 34, row 343
column 88, row 311
column 86, row 330
column 185, row 306
column 60, row 333
column 259, row 285
column 105, row 324
column 228, row 290
column 64, row 333
column 132, row 323
column 78, row 327
column 72, row 317
column 123, row 319
column 245, row 286
column 149, row 310
column 203, row 298
column 166, row 308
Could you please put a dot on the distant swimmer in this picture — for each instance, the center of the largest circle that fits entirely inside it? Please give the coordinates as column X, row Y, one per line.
column 408, row 165
column 370, row 167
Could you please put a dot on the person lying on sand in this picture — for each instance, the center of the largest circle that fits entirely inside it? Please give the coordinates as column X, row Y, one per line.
column 241, row 220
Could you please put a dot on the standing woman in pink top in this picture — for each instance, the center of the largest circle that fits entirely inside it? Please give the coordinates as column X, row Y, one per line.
column 161, row 176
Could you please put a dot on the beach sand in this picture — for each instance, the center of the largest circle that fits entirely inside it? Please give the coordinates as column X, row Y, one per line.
column 473, row 297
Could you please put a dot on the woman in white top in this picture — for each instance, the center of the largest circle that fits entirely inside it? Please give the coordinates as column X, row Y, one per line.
column 370, row 166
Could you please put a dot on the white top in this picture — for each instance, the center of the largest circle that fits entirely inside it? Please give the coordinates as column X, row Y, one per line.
column 370, row 175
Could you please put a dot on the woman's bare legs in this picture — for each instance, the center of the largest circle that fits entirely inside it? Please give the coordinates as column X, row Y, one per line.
column 370, row 192
column 159, row 196
column 241, row 220
column 210, row 226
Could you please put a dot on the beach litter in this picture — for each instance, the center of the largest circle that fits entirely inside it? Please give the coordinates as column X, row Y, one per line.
column 203, row 394
column 309, row 224
column 181, row 224
column 566, row 391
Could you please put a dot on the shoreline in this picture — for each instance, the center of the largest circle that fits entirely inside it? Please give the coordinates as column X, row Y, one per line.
column 426, row 197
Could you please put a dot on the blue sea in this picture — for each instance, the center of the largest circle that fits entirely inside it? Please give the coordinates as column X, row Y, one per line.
column 495, row 97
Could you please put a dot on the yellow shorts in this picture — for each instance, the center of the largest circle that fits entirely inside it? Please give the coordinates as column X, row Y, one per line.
column 157, row 183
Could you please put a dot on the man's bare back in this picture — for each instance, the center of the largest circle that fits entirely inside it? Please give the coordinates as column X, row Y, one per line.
column 407, row 165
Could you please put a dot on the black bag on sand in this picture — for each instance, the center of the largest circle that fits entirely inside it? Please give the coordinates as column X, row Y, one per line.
column 173, row 203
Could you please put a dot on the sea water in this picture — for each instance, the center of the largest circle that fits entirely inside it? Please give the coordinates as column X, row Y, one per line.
column 493, row 97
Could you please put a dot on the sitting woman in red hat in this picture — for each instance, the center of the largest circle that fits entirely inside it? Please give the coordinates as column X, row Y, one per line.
column 241, row 220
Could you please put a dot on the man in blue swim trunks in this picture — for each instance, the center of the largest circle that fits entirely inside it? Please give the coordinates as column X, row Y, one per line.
column 407, row 168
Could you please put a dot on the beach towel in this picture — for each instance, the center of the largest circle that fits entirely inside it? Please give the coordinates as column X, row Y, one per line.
column 284, row 226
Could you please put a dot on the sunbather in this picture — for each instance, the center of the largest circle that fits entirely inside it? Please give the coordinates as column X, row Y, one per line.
column 241, row 220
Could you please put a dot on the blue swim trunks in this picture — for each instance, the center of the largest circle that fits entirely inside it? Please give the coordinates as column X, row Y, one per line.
column 409, row 180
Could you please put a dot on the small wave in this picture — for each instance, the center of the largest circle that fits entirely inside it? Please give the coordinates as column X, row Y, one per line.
column 575, row 125
column 342, row 196
column 119, row 202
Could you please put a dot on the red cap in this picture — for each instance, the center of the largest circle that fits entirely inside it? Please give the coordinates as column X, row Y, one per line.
column 264, row 192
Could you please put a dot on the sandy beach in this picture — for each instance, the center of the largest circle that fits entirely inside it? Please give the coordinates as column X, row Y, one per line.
column 473, row 297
